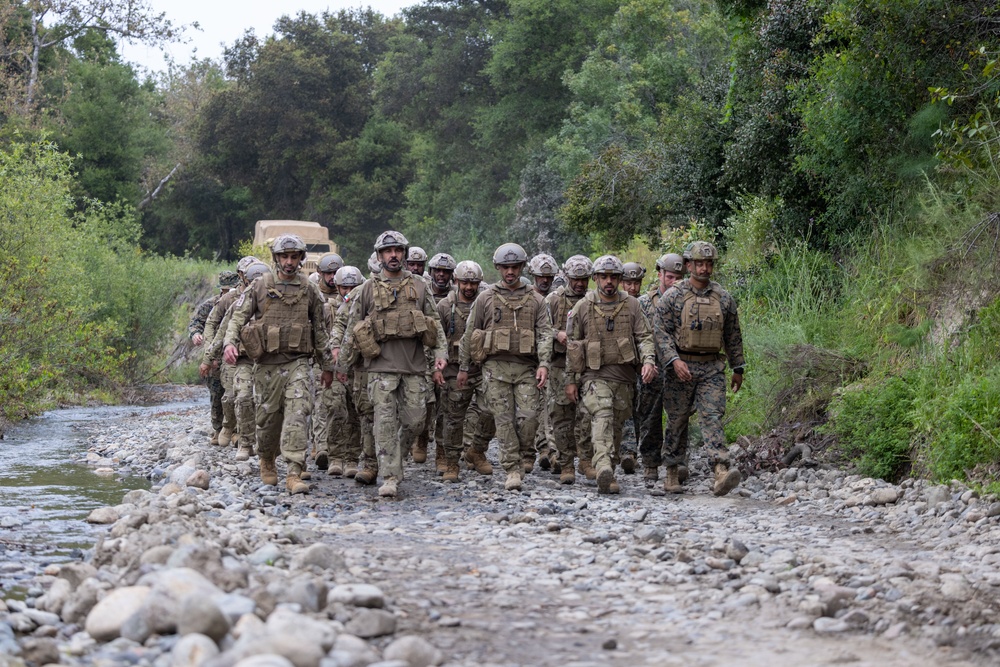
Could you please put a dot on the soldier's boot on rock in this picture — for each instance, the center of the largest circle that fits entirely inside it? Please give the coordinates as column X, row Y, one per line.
column 440, row 460
column 555, row 466
column 225, row 437
column 215, row 439
column 336, row 468
column 628, row 463
column 567, row 476
column 420, row 450
column 366, row 475
column 544, row 458
column 478, row 461
column 672, row 483
column 293, row 480
column 513, row 482
column 650, row 475
column 586, row 468
column 351, row 470
column 305, row 474
column 606, row 482
column 244, row 452
column 388, row 488
column 726, row 479
column 682, row 473
column 451, row 471
column 322, row 461
column 268, row 471
column 528, row 463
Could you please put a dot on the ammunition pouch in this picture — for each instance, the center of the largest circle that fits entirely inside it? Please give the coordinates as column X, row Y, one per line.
column 250, row 337
column 429, row 336
column 576, row 356
column 364, row 337
column 478, row 344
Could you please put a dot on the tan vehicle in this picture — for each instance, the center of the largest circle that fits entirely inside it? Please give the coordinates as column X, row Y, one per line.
column 316, row 236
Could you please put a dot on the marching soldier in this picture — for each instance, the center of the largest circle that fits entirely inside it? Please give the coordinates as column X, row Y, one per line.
column 330, row 401
column 543, row 269
column 632, row 275
column 509, row 334
column 609, row 337
column 694, row 322
column 287, row 328
column 391, row 322
column 196, row 333
column 416, row 260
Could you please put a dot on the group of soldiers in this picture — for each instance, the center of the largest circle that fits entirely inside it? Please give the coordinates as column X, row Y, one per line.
column 424, row 350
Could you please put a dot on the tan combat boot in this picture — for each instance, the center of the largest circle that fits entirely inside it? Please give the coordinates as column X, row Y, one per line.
column 606, row 481
column 628, row 463
column 293, row 481
column 388, row 488
column 567, row 475
column 527, row 463
column 440, row 460
column 478, row 461
column 513, row 482
column 650, row 475
column 336, row 468
column 556, row 467
column 725, row 479
column 451, row 471
column 351, row 470
column 586, row 468
column 366, row 475
column 419, row 450
column 682, row 473
column 244, row 452
column 215, row 438
column 225, row 437
column 268, row 471
column 672, row 484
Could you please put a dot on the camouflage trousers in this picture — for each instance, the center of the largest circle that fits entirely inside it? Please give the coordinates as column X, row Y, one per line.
column 283, row 405
column 246, row 421
column 543, row 436
column 215, row 392
column 570, row 438
column 605, row 405
column 704, row 394
column 366, row 418
column 344, row 431
column 649, row 420
column 456, row 406
column 512, row 397
column 479, row 427
column 226, row 375
column 320, row 417
column 400, row 404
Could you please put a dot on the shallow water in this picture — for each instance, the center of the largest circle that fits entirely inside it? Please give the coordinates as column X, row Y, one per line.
column 45, row 495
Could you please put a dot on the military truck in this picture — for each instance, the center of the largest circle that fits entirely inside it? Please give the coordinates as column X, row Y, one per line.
column 316, row 236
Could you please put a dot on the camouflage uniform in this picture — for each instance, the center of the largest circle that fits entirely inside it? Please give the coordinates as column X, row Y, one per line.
column 242, row 387
column 515, row 352
column 397, row 381
column 289, row 317
column 226, row 371
column 361, row 418
column 649, row 405
column 706, row 392
column 607, row 379
column 213, row 381
column 569, row 439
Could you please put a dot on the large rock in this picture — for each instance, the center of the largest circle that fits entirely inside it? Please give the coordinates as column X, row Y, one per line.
column 76, row 573
column 199, row 479
column 192, row 651
column 81, row 601
column 358, row 595
column 415, row 651
column 319, row 555
column 307, row 592
column 103, row 515
column 302, row 640
column 199, row 615
column 351, row 651
column 55, row 597
column 40, row 651
column 367, row 623
column 104, row 622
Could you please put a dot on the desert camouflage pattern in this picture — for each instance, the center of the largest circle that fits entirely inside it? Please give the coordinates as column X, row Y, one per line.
column 399, row 401
column 606, row 405
column 284, row 402
column 512, row 397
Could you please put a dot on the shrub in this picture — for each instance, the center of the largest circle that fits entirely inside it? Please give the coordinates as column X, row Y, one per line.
column 874, row 425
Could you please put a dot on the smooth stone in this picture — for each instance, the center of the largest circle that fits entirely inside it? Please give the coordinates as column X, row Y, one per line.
column 265, row 660
column 357, row 595
column 199, row 479
column 320, row 555
column 103, row 516
column 55, row 597
column 268, row 554
column 104, row 622
column 650, row 534
column 199, row 615
column 40, row 651
column 824, row 625
column 77, row 573
column 366, row 623
column 885, row 496
column 193, row 650
column 736, row 550
column 956, row 587
column 415, row 651
column 351, row 651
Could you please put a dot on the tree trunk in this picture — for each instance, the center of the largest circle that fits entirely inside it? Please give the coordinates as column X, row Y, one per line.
column 36, row 50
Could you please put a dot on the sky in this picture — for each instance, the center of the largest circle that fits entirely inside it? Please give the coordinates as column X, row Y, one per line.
column 224, row 21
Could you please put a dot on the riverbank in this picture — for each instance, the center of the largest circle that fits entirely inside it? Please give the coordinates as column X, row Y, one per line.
column 804, row 566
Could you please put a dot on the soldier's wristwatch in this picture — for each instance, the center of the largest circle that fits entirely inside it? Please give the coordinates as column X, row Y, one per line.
column 739, row 371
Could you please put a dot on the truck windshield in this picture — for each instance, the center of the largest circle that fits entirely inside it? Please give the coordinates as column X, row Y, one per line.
column 317, row 247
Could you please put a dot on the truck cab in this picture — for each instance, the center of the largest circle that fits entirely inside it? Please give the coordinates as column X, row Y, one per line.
column 315, row 235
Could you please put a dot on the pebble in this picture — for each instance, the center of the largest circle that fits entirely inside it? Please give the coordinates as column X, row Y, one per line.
column 104, row 622
column 414, row 651
column 367, row 623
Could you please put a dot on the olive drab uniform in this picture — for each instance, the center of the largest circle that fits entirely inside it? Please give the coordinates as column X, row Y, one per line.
column 227, row 372
column 391, row 323
column 608, row 342
column 214, row 380
column 510, row 335
column 281, row 326
column 649, row 405
column 570, row 442
column 359, row 444
column 696, row 326
column 456, row 403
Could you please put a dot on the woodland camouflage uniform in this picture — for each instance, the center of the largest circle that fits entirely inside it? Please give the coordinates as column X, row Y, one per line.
column 214, row 380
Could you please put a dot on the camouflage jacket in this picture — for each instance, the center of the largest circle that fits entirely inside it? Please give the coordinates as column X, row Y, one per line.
column 667, row 318
column 197, row 325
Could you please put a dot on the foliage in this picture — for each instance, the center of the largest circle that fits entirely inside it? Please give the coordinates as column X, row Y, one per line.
column 874, row 425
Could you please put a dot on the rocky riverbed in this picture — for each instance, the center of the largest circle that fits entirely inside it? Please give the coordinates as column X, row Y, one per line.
column 800, row 567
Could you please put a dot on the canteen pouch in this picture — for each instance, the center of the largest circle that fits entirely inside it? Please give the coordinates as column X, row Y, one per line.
column 294, row 337
column 626, row 350
column 501, row 340
column 272, row 339
column 477, row 346
column 594, row 355
column 428, row 333
column 252, row 343
column 526, row 341
column 364, row 336
column 575, row 356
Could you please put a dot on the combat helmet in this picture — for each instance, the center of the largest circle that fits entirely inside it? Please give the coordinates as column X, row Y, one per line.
column 241, row 266
column 701, row 250
column 416, row 254
column 288, row 243
column 314, row 278
column 671, row 262
column 469, row 272
column 543, row 264
column 442, row 260
column 374, row 265
column 577, row 267
column 228, row 280
column 331, row 262
column 391, row 239
column 633, row 271
column 256, row 270
column 608, row 264
column 348, row 276
column 509, row 253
